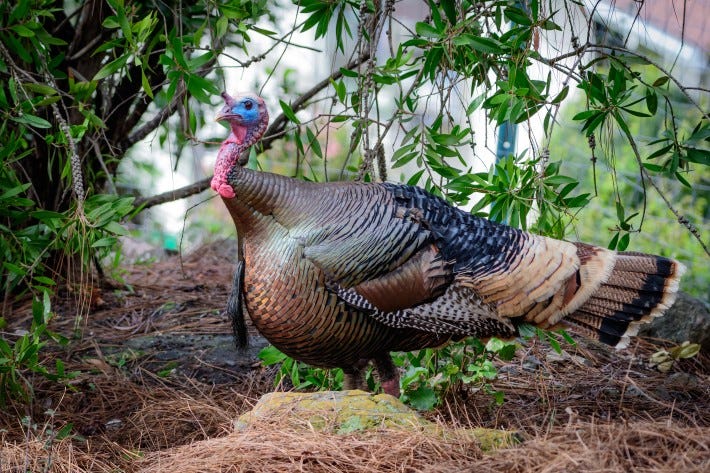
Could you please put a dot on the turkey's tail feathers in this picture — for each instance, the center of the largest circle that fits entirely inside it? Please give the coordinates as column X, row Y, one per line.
column 638, row 288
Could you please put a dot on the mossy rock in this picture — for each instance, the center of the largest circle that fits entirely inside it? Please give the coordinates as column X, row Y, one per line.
column 349, row 411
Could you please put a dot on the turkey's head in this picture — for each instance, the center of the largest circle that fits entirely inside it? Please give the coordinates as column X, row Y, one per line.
column 247, row 117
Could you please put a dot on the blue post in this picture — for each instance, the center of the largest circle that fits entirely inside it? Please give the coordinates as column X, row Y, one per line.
column 508, row 131
column 507, row 134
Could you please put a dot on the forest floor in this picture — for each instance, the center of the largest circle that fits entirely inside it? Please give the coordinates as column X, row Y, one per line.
column 159, row 386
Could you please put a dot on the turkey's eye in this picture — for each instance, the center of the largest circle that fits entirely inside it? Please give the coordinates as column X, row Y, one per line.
column 248, row 105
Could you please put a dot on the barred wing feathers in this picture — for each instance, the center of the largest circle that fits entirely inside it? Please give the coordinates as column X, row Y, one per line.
column 413, row 260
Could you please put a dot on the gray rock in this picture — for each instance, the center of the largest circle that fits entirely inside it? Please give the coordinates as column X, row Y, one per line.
column 688, row 319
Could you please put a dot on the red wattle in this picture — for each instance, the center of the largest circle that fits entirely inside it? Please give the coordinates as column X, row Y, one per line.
column 226, row 160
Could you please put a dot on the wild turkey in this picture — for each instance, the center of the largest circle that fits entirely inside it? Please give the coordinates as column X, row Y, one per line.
column 338, row 274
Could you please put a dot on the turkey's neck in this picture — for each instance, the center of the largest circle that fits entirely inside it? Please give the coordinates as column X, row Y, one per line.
column 256, row 195
column 229, row 155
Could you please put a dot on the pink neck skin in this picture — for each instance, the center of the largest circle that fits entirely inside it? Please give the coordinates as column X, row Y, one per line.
column 240, row 139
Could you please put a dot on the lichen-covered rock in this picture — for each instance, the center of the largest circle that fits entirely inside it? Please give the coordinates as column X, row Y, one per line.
column 349, row 411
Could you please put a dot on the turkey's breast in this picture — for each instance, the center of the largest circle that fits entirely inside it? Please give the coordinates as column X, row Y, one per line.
column 290, row 305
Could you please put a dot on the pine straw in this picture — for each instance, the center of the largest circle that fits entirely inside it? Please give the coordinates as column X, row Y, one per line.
column 273, row 448
column 584, row 446
column 34, row 456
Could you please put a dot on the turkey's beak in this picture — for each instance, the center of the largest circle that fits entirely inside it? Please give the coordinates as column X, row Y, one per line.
column 226, row 113
column 223, row 115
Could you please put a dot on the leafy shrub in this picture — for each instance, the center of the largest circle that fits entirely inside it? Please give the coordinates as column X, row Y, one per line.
column 20, row 360
column 428, row 374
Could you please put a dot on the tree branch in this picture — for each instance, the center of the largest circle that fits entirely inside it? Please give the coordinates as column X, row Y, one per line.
column 169, row 196
column 275, row 131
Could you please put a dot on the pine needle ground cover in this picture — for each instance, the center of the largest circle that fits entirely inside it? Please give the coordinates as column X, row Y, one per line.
column 153, row 392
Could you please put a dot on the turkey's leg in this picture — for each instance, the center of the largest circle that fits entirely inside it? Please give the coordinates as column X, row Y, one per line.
column 355, row 377
column 389, row 376
column 352, row 380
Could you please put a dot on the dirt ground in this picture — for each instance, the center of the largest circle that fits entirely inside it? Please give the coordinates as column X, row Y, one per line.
column 159, row 385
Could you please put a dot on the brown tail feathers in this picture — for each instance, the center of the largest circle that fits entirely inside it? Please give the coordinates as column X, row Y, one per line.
column 638, row 288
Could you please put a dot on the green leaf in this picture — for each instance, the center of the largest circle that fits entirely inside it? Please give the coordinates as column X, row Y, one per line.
column 426, row 30
column 104, row 242
column 314, row 143
column 624, row 242
column 516, row 15
column 201, row 88
column 651, row 101
column 45, row 280
column 660, row 151
column 553, row 342
column 621, row 122
column 340, row 90
column 414, row 180
column 64, row 431
column 288, row 111
column 653, row 167
column 17, row 47
column 507, row 353
column 449, row 7
column 115, row 228
column 561, row 96
column 475, row 103
column 348, row 73
column 484, row 45
column 145, row 84
column 682, row 180
column 614, row 241
column 577, row 201
column 661, row 81
column 39, row 88
column 685, row 350
column 585, row 115
column 635, row 113
column 23, row 31
column 697, row 155
column 32, row 120
column 13, row 268
column 221, row 26
column 423, row 398
column 271, row 355
column 526, row 330
column 112, row 67
column 17, row 190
